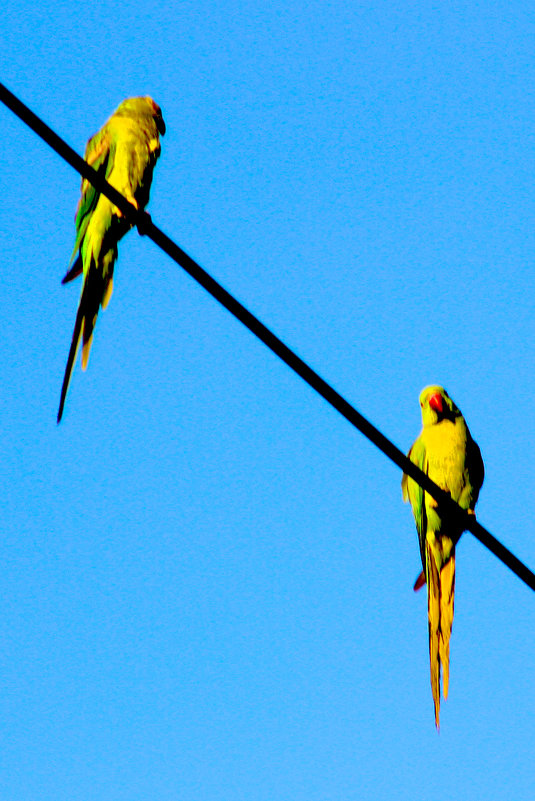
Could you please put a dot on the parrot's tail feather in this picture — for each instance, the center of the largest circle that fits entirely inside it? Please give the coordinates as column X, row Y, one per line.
column 96, row 293
column 440, row 597
column 93, row 291
column 89, row 326
column 107, row 292
column 420, row 581
column 74, row 271
column 433, row 612
column 86, row 349
column 447, row 591
column 75, row 343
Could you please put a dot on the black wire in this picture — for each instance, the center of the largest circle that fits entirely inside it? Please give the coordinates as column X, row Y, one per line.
column 147, row 227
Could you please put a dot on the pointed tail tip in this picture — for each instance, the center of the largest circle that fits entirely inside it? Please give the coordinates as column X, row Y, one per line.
column 62, row 399
column 437, row 715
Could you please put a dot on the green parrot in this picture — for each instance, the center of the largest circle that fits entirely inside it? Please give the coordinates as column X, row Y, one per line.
column 445, row 451
column 124, row 151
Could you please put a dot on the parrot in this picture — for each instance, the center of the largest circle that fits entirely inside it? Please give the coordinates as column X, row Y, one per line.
column 445, row 451
column 124, row 151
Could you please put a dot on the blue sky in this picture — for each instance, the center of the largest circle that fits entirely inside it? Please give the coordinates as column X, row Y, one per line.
column 206, row 586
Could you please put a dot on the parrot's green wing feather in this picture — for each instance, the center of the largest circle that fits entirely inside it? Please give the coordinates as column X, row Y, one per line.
column 100, row 154
column 415, row 494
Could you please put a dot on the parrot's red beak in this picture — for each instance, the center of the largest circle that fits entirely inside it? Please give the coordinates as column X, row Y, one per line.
column 435, row 402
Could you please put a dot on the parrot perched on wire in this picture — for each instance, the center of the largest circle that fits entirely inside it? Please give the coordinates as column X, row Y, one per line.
column 124, row 151
column 445, row 451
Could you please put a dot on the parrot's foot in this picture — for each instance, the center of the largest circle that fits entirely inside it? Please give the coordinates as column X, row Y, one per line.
column 133, row 202
column 144, row 223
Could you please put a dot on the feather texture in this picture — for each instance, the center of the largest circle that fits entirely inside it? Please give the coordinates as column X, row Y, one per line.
column 124, row 151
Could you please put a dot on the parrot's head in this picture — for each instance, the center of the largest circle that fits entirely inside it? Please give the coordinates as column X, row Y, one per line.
column 142, row 107
column 157, row 114
column 436, row 405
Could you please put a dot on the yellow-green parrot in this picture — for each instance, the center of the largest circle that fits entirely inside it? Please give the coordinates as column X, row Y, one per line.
column 124, row 151
column 445, row 451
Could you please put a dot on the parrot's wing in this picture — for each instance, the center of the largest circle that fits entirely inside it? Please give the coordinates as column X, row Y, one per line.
column 100, row 154
column 413, row 492
column 476, row 471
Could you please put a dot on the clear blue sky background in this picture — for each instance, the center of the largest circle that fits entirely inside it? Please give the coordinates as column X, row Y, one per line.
column 206, row 582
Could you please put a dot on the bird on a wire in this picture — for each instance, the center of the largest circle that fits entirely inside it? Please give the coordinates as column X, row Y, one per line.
column 124, row 152
column 446, row 452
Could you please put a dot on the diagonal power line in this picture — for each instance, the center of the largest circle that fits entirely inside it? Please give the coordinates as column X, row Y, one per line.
column 146, row 227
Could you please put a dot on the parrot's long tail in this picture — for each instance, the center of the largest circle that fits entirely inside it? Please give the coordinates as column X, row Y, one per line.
column 75, row 344
column 440, row 597
column 96, row 292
